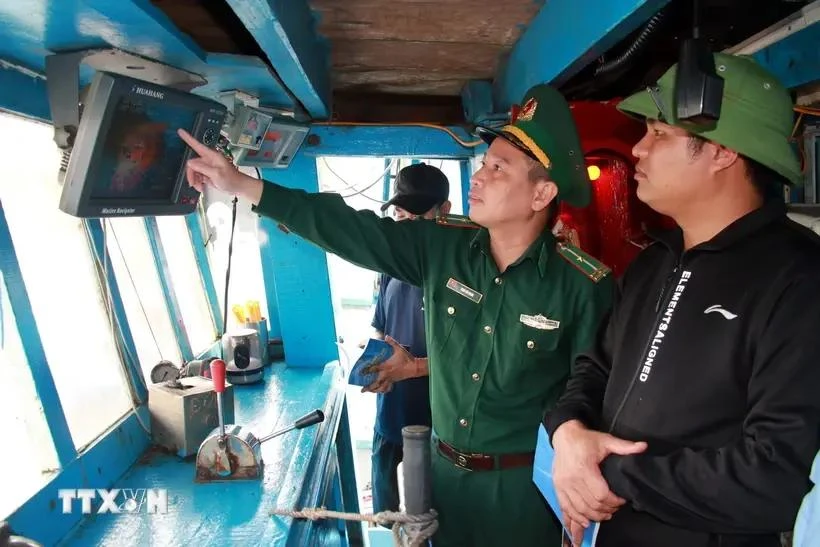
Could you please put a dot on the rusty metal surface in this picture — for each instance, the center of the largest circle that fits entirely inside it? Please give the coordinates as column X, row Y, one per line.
column 242, row 449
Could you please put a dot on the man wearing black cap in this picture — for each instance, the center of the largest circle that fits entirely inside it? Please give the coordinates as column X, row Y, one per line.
column 421, row 190
column 403, row 398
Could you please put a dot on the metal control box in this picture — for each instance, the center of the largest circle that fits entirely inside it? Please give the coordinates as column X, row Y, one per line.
column 184, row 412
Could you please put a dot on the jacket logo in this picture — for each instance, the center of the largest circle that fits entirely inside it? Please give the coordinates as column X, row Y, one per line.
column 719, row 309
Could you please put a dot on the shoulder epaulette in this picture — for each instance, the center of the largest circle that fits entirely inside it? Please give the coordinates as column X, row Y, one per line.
column 459, row 221
column 590, row 267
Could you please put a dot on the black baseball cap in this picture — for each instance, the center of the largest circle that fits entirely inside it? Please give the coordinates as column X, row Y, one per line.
column 419, row 188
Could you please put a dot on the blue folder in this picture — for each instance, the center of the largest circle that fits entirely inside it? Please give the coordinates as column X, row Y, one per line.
column 375, row 353
column 542, row 476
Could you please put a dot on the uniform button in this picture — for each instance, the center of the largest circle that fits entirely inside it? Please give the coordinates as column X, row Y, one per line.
column 462, row 422
column 451, row 310
column 476, row 376
column 498, row 281
column 488, row 329
column 530, row 344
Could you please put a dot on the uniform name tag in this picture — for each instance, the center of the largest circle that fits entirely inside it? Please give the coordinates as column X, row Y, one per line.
column 464, row 290
column 539, row 322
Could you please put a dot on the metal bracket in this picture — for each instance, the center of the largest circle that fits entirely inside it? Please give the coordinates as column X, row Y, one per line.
column 63, row 82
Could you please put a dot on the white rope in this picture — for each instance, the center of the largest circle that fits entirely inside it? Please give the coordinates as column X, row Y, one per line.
column 417, row 529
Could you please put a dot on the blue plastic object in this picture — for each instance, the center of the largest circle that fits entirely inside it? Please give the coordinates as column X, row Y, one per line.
column 375, row 353
column 542, row 476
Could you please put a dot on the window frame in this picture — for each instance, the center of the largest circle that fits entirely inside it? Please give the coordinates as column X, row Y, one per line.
column 196, row 232
column 125, row 439
column 167, row 284
column 26, row 326
column 137, row 384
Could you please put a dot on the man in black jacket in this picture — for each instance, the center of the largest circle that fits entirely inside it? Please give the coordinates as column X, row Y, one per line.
column 694, row 419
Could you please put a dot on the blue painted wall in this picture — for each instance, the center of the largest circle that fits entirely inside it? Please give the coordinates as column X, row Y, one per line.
column 795, row 60
column 299, row 271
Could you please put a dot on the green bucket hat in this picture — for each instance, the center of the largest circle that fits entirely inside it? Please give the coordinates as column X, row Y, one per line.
column 545, row 131
column 756, row 115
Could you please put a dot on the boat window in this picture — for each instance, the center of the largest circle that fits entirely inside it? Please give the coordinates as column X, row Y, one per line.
column 58, row 269
column 247, row 281
column 22, row 419
column 141, row 292
column 187, row 283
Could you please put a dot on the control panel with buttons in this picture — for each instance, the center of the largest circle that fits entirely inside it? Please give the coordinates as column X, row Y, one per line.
column 206, row 130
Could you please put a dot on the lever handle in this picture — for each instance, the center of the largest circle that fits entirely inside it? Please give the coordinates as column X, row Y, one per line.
column 309, row 419
column 218, row 375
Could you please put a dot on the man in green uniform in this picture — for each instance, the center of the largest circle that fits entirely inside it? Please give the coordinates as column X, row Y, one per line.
column 507, row 309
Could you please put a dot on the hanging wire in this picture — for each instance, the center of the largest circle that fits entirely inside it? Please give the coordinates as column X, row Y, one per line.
column 349, row 186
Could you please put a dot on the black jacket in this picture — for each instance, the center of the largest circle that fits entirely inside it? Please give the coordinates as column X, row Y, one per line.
column 712, row 356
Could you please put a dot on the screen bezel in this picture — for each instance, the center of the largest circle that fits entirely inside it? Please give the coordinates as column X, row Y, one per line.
column 104, row 95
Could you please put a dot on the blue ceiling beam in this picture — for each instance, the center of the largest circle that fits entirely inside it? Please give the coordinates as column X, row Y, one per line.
column 795, row 59
column 563, row 38
column 390, row 141
column 286, row 32
column 29, row 96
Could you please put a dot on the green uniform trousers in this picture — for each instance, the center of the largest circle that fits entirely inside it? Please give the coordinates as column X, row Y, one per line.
column 490, row 508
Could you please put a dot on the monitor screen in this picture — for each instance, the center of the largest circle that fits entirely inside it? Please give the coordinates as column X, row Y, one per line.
column 127, row 159
column 141, row 152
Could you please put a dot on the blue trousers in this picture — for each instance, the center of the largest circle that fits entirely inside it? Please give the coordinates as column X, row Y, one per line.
column 384, row 478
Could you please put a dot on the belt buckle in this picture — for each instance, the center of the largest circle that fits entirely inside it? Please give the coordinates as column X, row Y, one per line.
column 461, row 461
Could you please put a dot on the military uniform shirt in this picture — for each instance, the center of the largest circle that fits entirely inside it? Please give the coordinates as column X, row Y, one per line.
column 500, row 345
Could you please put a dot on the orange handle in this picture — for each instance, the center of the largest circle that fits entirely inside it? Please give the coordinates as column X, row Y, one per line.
column 218, row 375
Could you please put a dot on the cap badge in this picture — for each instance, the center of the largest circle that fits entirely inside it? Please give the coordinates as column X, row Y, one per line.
column 528, row 110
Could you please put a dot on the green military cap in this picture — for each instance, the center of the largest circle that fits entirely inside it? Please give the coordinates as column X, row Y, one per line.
column 545, row 131
column 756, row 115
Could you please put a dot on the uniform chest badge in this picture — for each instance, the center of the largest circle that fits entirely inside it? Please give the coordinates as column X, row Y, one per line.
column 539, row 322
column 460, row 288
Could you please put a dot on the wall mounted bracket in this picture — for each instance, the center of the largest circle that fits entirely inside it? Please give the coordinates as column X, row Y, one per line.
column 63, row 82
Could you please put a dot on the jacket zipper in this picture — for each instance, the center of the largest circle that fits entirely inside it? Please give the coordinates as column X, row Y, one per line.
column 659, row 310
